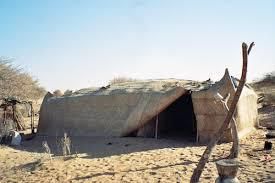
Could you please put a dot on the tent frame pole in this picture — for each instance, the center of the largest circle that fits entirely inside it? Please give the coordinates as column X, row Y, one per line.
column 156, row 127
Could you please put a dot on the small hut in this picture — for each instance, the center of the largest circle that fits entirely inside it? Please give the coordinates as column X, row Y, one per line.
column 12, row 113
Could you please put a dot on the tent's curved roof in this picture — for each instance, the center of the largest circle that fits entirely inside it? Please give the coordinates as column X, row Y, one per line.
column 114, row 110
column 121, row 108
column 142, row 86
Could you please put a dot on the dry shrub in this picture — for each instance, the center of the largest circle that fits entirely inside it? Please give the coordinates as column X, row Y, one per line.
column 266, row 88
column 269, row 97
column 66, row 145
column 57, row 93
column 68, row 92
column 268, row 80
column 15, row 82
column 121, row 79
column 47, row 149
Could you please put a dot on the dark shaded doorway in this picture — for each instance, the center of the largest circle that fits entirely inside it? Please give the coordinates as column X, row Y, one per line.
column 178, row 120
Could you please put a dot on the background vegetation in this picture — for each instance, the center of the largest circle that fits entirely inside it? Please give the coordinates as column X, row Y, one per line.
column 121, row 79
column 15, row 82
column 265, row 87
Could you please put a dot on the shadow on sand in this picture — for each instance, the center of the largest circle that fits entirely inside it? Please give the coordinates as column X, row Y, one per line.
column 153, row 169
column 100, row 147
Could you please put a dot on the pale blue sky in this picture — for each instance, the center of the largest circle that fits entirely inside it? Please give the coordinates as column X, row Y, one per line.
column 71, row 44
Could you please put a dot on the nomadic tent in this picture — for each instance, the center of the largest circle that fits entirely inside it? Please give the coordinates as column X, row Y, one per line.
column 151, row 108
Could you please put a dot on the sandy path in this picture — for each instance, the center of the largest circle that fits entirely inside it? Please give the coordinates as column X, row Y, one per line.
column 129, row 160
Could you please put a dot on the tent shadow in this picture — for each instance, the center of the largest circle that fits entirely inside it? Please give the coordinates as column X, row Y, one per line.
column 100, row 147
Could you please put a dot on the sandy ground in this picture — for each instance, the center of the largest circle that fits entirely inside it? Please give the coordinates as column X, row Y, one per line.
column 133, row 159
column 129, row 160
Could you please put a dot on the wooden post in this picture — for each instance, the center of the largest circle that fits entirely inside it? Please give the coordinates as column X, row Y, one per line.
column 32, row 118
column 5, row 114
column 156, row 127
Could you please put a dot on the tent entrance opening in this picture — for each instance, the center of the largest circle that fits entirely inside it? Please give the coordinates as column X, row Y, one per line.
column 176, row 121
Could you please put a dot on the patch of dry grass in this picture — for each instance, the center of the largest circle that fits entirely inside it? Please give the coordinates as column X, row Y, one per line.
column 121, row 79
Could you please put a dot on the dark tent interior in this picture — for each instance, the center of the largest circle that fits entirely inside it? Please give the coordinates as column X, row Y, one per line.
column 177, row 121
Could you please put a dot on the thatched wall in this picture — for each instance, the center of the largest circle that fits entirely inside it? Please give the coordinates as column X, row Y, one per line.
column 210, row 114
column 121, row 109
column 114, row 111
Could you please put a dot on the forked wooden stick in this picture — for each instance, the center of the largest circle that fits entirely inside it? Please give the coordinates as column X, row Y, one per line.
column 205, row 156
column 235, row 149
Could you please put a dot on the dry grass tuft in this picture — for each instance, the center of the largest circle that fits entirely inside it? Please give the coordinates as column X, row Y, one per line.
column 57, row 93
column 66, row 145
column 68, row 92
column 47, row 149
column 121, row 79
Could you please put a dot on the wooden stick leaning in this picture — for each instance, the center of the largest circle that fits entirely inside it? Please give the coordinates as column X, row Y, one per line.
column 205, row 156
column 235, row 149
